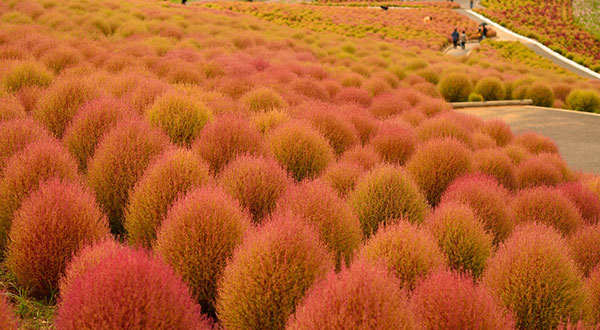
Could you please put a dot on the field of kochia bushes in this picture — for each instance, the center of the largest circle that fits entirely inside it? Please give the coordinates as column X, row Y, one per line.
column 170, row 167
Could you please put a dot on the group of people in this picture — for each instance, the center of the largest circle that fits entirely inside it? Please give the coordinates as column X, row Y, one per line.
column 460, row 39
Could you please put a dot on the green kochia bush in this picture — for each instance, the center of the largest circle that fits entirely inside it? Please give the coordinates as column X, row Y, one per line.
column 455, row 87
column 364, row 296
column 474, row 97
column 536, row 279
column 490, row 88
column 541, row 94
column 584, row 100
column 269, row 274
column 385, row 194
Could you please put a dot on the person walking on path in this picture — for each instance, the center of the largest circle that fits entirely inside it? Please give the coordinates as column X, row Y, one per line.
column 463, row 39
column 471, row 4
column 455, row 37
column 479, row 33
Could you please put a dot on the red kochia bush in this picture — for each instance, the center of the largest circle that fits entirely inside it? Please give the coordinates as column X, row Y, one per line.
column 18, row 134
column 49, row 227
column 536, row 171
column 318, row 204
column 365, row 157
column 11, row 108
column 228, row 136
column 536, row 279
column 535, row 143
column 495, row 163
column 442, row 126
column 585, row 247
column 499, row 131
column 461, row 236
column 436, row 164
column 548, row 206
column 339, row 132
column 353, row 95
column 168, row 177
column 364, row 296
column 395, row 142
column 128, row 288
column 256, row 182
column 269, row 273
column 408, row 251
column 343, row 176
column 385, row 194
column 593, row 283
column 584, row 198
column 300, row 149
column 447, row 300
column 91, row 122
column 388, row 105
column 25, row 171
column 8, row 320
column 119, row 161
column 198, row 236
column 487, row 199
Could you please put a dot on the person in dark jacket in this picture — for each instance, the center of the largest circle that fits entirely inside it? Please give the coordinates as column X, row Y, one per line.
column 455, row 37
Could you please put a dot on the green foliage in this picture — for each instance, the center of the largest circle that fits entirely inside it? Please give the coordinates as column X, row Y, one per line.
column 474, row 97
column 455, row 87
column 584, row 100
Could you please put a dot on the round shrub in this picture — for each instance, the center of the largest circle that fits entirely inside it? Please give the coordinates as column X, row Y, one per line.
column 168, row 177
column 269, row 273
column 364, row 296
column 267, row 121
column 537, row 171
column 488, row 201
column 446, row 300
column 228, row 136
column 395, row 142
column 387, row 105
column 262, row 99
column 455, row 87
column 429, row 75
column 541, row 95
column 481, row 141
column 125, row 288
column 343, row 177
column 198, row 236
column 319, row 205
column 490, row 88
column 25, row 171
column 49, row 227
column 461, row 236
column 11, row 108
column 180, row 117
column 495, row 163
column 408, row 251
column 300, row 149
column 18, row 134
column 440, row 127
column 474, row 97
column 548, row 206
column 585, row 247
column 387, row 193
column 584, row 198
column 436, row 164
column 60, row 103
column 340, row 133
column 26, row 74
column 8, row 319
column 256, row 182
column 536, row 279
column 91, row 122
column 499, row 131
column 119, row 162
column 516, row 153
column 365, row 157
column 535, row 143
column 353, row 95
column 363, row 122
column 584, row 100
column 593, row 284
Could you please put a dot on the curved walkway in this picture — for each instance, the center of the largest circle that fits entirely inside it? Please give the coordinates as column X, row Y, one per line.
column 575, row 133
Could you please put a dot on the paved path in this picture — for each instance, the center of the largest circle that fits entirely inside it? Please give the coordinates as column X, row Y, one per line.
column 576, row 133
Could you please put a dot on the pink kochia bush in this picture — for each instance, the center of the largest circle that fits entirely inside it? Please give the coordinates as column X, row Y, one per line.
column 499, row 131
column 319, row 205
column 49, row 227
column 395, row 142
column 446, row 300
column 168, row 177
column 125, row 288
column 364, row 296
column 91, row 122
column 585, row 247
column 118, row 163
column 334, row 126
column 487, row 198
column 436, row 164
column 228, row 136
column 593, row 283
column 584, row 198
column 8, row 319
column 256, row 182
column 198, row 236
column 269, row 274
column 17, row 134
column 496, row 163
column 461, row 237
column 300, row 149
column 25, row 171
column 409, row 252
column 548, row 206
column 343, row 176
column 386, row 194
column 535, row 143
column 11, row 108
column 536, row 279
column 538, row 171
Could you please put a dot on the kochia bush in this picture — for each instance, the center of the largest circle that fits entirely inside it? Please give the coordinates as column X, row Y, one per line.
column 395, row 142
column 537, row 171
column 364, row 296
column 491, row 88
column 269, row 273
column 168, row 177
column 584, row 198
column 499, row 131
column 593, row 283
column 541, row 94
column 585, row 247
column 409, row 252
column 11, row 108
column 27, row 74
column 340, row 133
column 343, row 177
column 365, row 157
column 263, row 99
column 584, row 100
column 455, row 87
column 198, row 236
column 442, row 126
column 8, row 320
column 50, row 226
column 128, row 287
column 18, row 134
column 536, row 279
column 494, row 162
column 535, row 143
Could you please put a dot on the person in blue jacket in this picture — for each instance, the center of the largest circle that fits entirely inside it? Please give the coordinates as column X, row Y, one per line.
column 455, row 37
